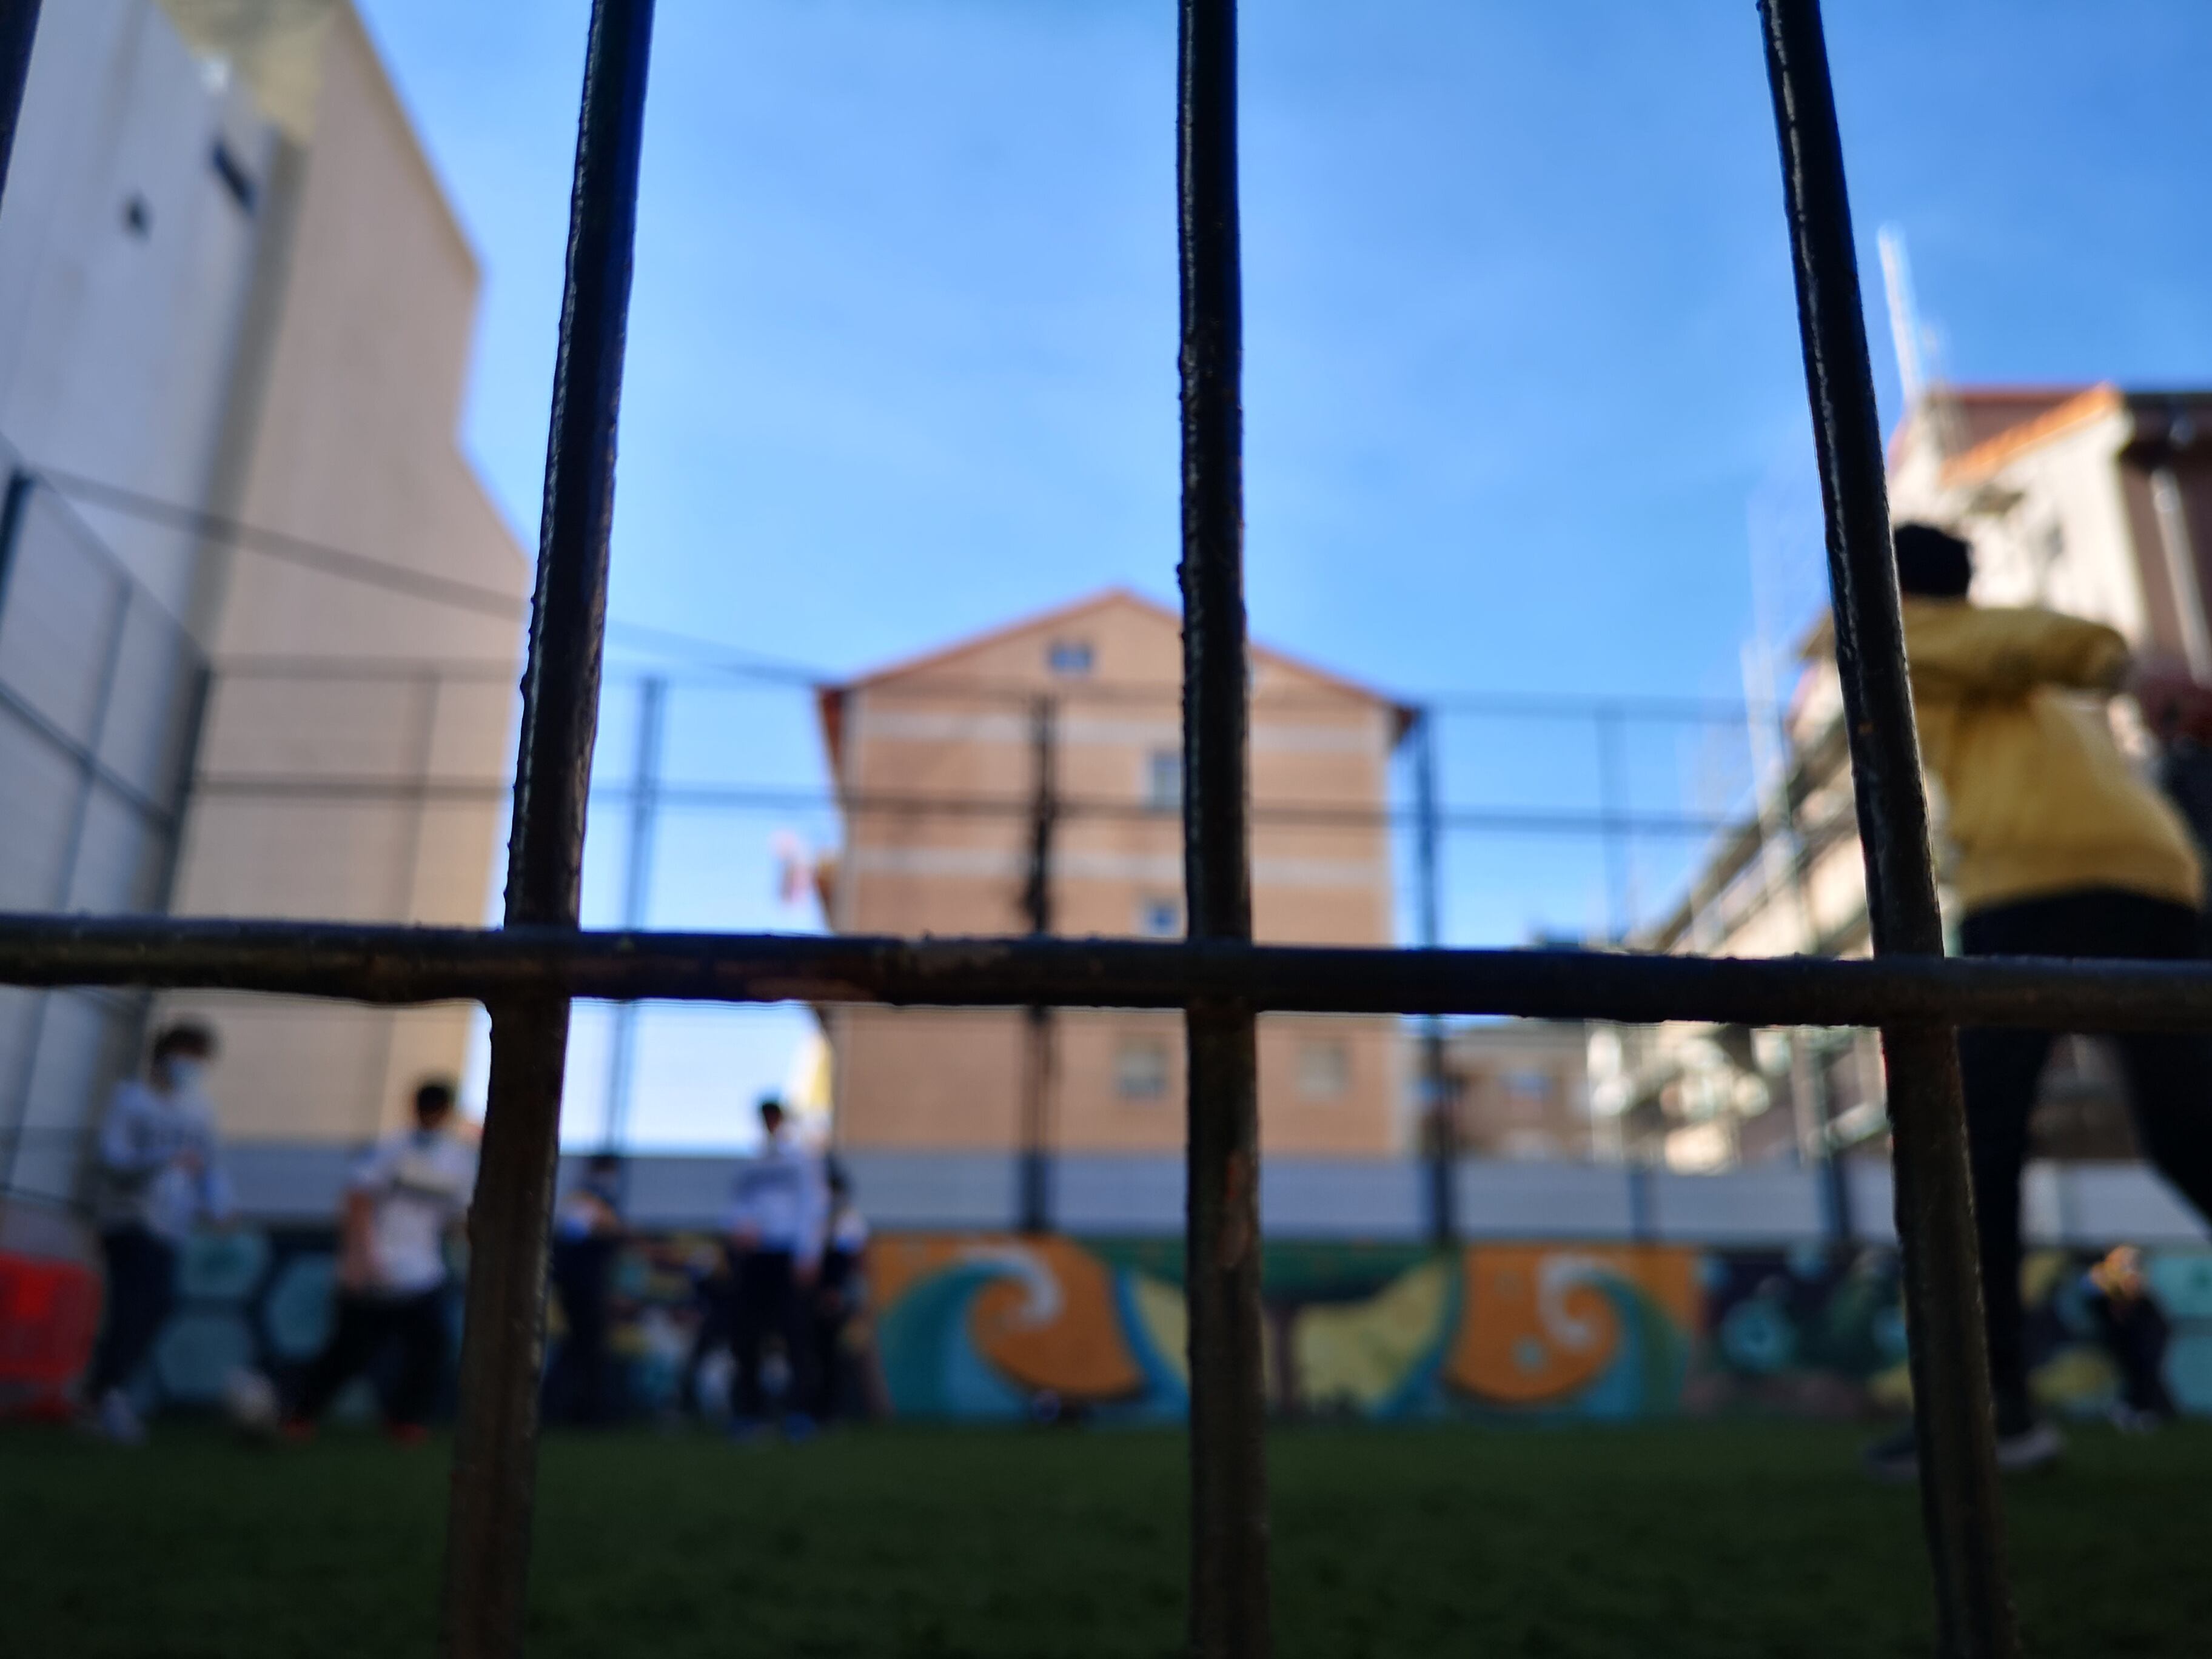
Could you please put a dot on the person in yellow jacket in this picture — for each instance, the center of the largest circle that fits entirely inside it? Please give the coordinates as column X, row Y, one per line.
column 2061, row 850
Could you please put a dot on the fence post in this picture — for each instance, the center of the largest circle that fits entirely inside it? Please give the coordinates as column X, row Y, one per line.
column 495, row 1443
column 1934, row 1196
column 1784, row 856
column 1229, row 1614
column 1441, row 1115
column 637, row 892
column 1037, row 1056
column 13, row 508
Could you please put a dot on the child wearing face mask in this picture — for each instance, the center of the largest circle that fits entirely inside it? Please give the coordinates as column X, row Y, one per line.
column 159, row 1177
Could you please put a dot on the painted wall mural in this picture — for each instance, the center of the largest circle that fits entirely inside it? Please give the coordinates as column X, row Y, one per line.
column 992, row 1327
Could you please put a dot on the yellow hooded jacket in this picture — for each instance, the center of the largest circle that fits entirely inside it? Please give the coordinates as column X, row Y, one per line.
column 2040, row 800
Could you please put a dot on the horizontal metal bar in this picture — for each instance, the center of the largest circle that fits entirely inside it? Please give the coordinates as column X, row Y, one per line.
column 393, row 964
column 744, row 672
column 1538, row 706
column 1536, row 820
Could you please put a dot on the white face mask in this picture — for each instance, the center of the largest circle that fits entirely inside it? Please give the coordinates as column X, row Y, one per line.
column 185, row 1076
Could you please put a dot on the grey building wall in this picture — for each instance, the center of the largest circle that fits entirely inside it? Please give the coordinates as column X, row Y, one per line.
column 129, row 231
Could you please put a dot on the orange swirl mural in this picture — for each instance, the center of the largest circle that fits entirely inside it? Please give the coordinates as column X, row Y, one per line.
column 989, row 1326
column 1544, row 1324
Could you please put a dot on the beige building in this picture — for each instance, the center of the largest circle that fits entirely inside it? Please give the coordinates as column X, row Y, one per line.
column 1520, row 1089
column 940, row 764
column 2094, row 500
column 236, row 294
column 343, row 432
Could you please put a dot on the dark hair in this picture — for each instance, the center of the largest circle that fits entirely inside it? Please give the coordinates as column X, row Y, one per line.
column 772, row 1104
column 186, row 1037
column 434, row 1097
column 1932, row 564
column 605, row 1163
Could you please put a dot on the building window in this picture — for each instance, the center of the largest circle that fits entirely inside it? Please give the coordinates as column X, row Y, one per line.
column 1163, row 780
column 1068, row 658
column 1140, row 1068
column 1159, row 918
column 1324, row 1069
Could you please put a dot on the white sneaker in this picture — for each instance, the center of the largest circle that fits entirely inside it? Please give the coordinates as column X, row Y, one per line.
column 117, row 1422
column 2023, row 1444
column 2029, row 1447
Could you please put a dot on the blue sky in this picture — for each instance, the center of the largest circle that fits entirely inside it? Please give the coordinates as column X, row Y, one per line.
column 1520, row 349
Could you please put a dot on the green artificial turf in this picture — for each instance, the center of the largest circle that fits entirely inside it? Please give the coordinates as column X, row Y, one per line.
column 1721, row 1539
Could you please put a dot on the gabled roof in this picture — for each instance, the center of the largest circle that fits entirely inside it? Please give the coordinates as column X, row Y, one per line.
column 831, row 697
column 2000, row 425
column 1061, row 617
column 1995, row 424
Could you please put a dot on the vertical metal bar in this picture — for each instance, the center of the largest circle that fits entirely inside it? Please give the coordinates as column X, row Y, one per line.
column 14, row 512
column 407, row 876
column 19, row 29
column 87, row 785
column 1643, row 1222
column 637, row 893
column 1781, row 854
column 1229, row 1614
column 1037, row 1059
column 179, row 794
column 1935, row 1198
column 1612, row 807
column 495, row 1450
column 194, row 728
column 1440, row 1116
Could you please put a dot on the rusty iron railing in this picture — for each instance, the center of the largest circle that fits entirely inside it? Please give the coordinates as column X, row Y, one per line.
column 495, row 1440
column 1950, row 1369
column 527, row 972
column 1221, row 1235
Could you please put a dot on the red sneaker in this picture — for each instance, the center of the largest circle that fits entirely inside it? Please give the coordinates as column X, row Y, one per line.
column 295, row 1431
column 406, row 1434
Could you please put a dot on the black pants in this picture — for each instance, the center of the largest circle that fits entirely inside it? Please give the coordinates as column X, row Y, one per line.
column 2169, row 1084
column 365, row 1326
column 579, row 1386
column 142, row 1288
column 768, row 1303
column 2134, row 1332
column 830, row 1391
column 711, row 1334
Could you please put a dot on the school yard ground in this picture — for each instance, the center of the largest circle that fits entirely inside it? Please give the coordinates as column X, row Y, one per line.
column 1723, row 1541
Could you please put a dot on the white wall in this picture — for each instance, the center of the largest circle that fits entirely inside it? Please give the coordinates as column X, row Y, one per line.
column 116, row 344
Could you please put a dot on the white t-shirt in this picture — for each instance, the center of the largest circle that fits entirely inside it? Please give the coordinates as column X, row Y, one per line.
column 781, row 1201
column 422, row 1180
column 141, row 1184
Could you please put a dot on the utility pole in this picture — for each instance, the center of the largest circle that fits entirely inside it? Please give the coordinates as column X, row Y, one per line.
column 1038, row 1056
column 637, row 888
column 1440, row 1104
